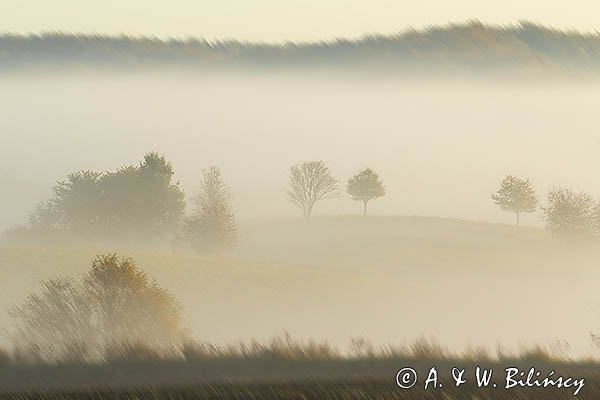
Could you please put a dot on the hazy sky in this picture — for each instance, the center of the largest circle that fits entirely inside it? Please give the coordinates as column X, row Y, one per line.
column 276, row 20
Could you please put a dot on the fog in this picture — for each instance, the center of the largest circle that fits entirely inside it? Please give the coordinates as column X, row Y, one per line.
column 440, row 146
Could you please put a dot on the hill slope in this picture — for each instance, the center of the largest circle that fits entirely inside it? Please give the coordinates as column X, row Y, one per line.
column 386, row 278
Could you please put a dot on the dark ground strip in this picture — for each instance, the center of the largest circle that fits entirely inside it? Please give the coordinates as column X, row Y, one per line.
column 315, row 391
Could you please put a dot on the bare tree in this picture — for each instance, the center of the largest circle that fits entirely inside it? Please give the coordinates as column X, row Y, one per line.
column 310, row 182
column 365, row 186
column 212, row 225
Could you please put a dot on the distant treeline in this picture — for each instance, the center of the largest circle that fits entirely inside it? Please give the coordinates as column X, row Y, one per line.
column 466, row 47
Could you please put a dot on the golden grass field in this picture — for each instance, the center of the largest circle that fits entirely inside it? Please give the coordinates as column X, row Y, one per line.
column 385, row 278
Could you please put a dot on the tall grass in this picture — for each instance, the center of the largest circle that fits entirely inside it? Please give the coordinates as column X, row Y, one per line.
column 285, row 347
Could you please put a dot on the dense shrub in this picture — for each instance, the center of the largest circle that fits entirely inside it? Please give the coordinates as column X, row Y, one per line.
column 570, row 213
column 134, row 199
column 115, row 305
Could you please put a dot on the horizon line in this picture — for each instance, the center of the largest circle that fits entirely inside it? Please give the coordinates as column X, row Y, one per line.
column 408, row 30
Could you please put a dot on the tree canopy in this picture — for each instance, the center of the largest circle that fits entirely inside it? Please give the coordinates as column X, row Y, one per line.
column 141, row 199
column 570, row 213
column 516, row 195
column 365, row 186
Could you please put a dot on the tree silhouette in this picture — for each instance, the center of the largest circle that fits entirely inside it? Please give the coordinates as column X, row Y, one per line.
column 141, row 199
column 128, row 305
column 78, row 198
column 571, row 213
column 310, row 182
column 516, row 195
column 115, row 304
column 365, row 186
column 212, row 225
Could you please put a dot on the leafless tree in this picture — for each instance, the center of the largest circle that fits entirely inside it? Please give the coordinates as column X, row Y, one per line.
column 310, row 182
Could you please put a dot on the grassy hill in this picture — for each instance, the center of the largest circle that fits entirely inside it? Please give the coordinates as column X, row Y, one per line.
column 386, row 278
column 388, row 243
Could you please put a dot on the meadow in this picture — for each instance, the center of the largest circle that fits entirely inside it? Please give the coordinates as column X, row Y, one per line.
column 388, row 279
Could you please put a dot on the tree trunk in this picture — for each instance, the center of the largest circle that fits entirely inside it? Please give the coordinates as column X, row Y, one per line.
column 364, row 208
column 308, row 212
column 518, row 217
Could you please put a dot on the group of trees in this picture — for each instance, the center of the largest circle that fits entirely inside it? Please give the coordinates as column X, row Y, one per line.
column 566, row 213
column 312, row 181
column 142, row 201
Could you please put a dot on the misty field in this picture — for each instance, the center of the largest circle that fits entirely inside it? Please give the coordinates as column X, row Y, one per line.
column 204, row 218
column 389, row 279
column 254, row 127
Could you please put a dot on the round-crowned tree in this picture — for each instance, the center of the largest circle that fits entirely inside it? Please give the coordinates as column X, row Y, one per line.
column 571, row 214
column 516, row 195
column 365, row 186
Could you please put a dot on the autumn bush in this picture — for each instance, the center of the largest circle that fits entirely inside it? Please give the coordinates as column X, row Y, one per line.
column 114, row 305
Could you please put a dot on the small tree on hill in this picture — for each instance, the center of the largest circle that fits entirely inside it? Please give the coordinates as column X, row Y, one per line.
column 212, row 225
column 516, row 195
column 310, row 182
column 570, row 213
column 365, row 186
